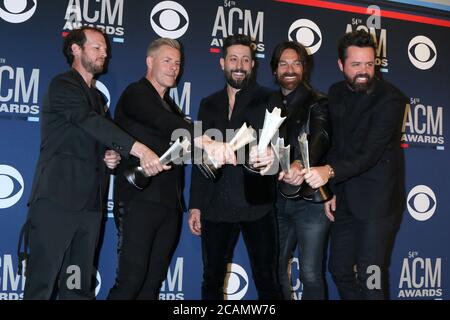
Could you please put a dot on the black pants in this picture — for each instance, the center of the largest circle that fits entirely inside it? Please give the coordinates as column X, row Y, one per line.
column 260, row 237
column 149, row 236
column 62, row 246
column 359, row 254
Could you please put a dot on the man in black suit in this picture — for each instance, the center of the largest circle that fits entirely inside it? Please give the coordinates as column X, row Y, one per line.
column 69, row 185
column 237, row 201
column 149, row 219
column 365, row 166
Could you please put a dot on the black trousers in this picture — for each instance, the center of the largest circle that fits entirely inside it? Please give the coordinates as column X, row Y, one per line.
column 218, row 241
column 359, row 254
column 148, row 235
column 62, row 247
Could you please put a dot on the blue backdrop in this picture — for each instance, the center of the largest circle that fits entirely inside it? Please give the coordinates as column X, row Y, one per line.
column 412, row 53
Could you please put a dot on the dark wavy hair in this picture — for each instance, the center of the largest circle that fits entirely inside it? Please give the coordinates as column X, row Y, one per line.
column 359, row 38
column 237, row 39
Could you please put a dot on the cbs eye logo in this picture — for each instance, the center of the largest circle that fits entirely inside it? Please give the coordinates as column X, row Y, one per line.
column 307, row 33
column 17, row 11
column 11, row 186
column 422, row 52
column 169, row 19
column 237, row 282
column 421, row 203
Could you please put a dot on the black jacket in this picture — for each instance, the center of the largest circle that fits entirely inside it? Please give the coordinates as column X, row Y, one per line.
column 140, row 112
column 365, row 152
column 74, row 133
column 307, row 112
column 237, row 195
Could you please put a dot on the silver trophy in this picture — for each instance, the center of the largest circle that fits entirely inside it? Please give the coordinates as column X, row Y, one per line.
column 320, row 194
column 176, row 153
column 283, row 155
column 210, row 168
column 272, row 122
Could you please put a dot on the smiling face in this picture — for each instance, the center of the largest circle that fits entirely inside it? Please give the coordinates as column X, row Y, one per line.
column 163, row 68
column 359, row 67
column 237, row 65
column 289, row 71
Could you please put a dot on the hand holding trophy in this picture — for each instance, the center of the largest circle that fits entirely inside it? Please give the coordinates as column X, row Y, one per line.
column 136, row 175
column 282, row 153
column 320, row 194
column 272, row 122
column 209, row 166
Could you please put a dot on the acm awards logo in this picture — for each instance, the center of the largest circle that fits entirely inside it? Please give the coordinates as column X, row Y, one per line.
column 421, row 203
column 11, row 186
column 169, row 19
column 422, row 52
column 236, row 282
column 423, row 125
column 172, row 287
column 11, row 284
column 231, row 19
column 373, row 26
column 19, row 92
column 103, row 14
column 420, row 277
column 17, row 11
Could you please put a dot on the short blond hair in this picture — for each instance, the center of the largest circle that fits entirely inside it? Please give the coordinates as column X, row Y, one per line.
column 155, row 45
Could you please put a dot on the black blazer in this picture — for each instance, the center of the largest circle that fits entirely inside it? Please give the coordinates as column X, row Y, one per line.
column 140, row 112
column 307, row 112
column 254, row 194
column 365, row 151
column 74, row 134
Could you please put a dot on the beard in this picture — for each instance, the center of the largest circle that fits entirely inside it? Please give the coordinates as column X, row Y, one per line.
column 289, row 84
column 240, row 83
column 358, row 86
column 91, row 66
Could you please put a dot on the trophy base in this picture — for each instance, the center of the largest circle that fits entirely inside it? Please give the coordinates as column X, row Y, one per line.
column 318, row 195
column 251, row 168
column 289, row 191
column 209, row 171
column 136, row 177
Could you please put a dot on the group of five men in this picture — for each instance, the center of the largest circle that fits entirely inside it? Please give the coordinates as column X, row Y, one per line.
column 353, row 139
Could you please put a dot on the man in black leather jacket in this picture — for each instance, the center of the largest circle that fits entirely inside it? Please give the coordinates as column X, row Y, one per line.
column 300, row 221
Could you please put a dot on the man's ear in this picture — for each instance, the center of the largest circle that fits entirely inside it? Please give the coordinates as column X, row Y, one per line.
column 222, row 63
column 149, row 62
column 75, row 49
column 341, row 66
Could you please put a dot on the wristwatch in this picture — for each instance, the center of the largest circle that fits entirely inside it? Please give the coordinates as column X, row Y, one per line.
column 330, row 172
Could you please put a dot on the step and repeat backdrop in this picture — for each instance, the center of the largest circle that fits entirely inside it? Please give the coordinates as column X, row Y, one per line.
column 412, row 53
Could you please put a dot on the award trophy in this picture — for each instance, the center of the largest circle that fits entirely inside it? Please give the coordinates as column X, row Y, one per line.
column 282, row 153
column 209, row 167
column 136, row 175
column 320, row 194
column 272, row 121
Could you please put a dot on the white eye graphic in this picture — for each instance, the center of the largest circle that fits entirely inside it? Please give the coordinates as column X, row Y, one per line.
column 17, row 11
column 169, row 19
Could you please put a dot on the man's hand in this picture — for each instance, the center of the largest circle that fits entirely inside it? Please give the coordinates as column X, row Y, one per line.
column 111, row 159
column 194, row 222
column 149, row 161
column 330, row 207
column 222, row 153
column 295, row 176
column 263, row 160
column 317, row 177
